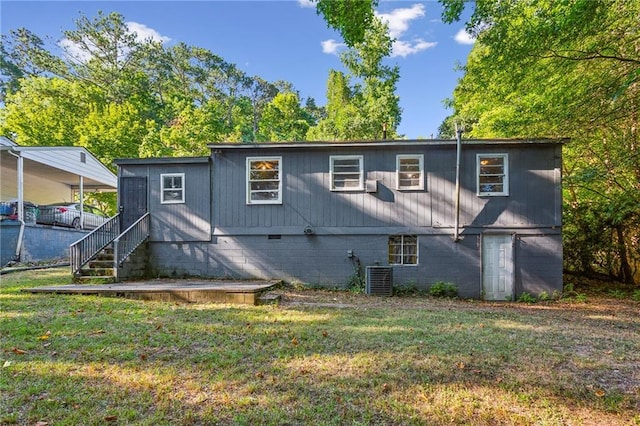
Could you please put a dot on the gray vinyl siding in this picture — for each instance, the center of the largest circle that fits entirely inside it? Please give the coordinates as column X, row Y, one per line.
column 188, row 221
column 307, row 199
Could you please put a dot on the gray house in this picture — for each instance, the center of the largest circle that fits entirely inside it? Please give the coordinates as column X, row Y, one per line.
column 485, row 216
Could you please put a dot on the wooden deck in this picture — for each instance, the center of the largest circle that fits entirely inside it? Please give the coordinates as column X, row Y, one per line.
column 239, row 292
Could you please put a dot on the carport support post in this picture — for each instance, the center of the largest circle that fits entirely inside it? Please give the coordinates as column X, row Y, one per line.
column 81, row 202
column 20, row 167
column 20, row 187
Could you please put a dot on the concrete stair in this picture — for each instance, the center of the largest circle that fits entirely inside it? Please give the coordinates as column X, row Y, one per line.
column 99, row 270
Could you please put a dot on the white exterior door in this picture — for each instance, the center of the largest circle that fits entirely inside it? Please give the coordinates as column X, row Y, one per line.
column 497, row 267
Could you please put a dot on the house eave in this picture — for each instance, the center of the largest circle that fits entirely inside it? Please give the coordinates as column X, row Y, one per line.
column 386, row 143
column 161, row 160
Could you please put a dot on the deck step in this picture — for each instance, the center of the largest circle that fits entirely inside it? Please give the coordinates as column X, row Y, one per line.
column 96, row 272
column 94, row 279
column 269, row 299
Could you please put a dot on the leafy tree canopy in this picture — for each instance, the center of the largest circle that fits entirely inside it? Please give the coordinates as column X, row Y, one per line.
column 351, row 18
column 565, row 69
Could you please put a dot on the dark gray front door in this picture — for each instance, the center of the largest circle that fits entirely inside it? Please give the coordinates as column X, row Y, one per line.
column 133, row 199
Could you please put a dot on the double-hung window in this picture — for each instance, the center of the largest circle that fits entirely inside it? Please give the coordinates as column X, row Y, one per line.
column 493, row 174
column 410, row 172
column 264, row 180
column 403, row 250
column 346, row 172
column 172, row 188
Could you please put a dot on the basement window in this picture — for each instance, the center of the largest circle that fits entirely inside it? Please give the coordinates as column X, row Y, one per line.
column 172, row 188
column 493, row 174
column 403, row 249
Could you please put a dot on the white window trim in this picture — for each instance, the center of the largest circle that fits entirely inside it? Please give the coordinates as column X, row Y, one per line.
column 402, row 256
column 360, row 159
column 248, row 180
column 505, row 182
column 162, row 188
column 420, row 185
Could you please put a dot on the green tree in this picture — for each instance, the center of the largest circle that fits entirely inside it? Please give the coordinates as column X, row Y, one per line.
column 352, row 18
column 284, row 119
column 341, row 113
column 363, row 109
column 568, row 69
column 23, row 54
column 103, row 52
column 45, row 111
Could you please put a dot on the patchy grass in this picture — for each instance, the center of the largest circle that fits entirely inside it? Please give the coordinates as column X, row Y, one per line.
column 320, row 357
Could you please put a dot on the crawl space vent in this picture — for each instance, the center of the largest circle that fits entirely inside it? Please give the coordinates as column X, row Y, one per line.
column 379, row 281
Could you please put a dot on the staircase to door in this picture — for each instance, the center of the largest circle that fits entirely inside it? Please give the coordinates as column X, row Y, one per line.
column 99, row 269
column 99, row 256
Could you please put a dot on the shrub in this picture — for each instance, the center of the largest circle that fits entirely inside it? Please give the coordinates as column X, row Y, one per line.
column 527, row 298
column 636, row 296
column 443, row 289
column 356, row 283
column 581, row 298
column 618, row 294
column 406, row 289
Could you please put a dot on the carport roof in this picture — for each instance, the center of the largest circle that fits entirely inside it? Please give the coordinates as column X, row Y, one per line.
column 44, row 166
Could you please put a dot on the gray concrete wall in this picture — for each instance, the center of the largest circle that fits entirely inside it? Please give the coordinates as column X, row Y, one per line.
column 40, row 243
column 136, row 266
column 9, row 230
column 323, row 260
column 538, row 264
column 48, row 243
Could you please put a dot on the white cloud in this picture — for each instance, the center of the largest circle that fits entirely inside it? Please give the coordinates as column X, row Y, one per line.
column 406, row 48
column 398, row 20
column 331, row 46
column 142, row 32
column 463, row 37
column 306, row 3
column 73, row 51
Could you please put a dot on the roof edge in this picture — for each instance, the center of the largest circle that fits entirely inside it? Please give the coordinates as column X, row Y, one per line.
column 402, row 142
column 161, row 160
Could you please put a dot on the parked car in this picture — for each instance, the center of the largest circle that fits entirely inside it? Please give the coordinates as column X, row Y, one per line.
column 68, row 214
column 9, row 211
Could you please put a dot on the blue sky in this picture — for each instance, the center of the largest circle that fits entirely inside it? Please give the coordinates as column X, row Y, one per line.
column 281, row 40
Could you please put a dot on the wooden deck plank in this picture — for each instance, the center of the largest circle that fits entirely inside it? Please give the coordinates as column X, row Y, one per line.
column 192, row 291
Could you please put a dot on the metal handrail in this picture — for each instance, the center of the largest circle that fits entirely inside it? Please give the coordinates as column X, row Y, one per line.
column 85, row 249
column 129, row 240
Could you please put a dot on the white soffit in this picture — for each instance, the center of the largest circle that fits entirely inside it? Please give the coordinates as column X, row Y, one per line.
column 74, row 160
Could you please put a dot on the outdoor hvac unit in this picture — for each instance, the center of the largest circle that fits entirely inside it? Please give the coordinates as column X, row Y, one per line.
column 379, row 281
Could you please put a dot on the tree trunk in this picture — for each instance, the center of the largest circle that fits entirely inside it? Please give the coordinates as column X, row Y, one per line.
column 626, row 274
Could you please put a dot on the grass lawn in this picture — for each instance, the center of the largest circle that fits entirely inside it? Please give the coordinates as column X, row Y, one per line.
column 319, row 357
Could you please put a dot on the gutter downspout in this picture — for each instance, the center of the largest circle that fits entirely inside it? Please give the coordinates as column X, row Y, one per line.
column 456, row 231
column 20, row 201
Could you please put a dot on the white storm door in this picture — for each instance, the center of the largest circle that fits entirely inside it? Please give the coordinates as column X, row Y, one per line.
column 497, row 267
